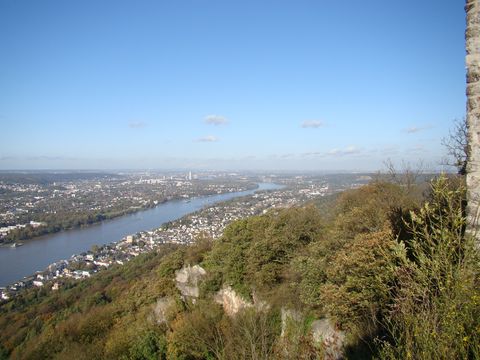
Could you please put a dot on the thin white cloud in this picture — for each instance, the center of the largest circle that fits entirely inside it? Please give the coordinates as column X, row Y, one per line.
column 349, row 150
column 313, row 153
column 137, row 124
column 216, row 120
column 415, row 129
column 336, row 152
column 208, row 138
column 315, row 124
column 352, row 150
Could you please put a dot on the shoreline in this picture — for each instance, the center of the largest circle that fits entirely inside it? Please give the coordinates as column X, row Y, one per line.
column 116, row 216
column 122, row 238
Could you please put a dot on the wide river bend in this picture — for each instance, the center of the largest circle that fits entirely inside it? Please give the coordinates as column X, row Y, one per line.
column 37, row 254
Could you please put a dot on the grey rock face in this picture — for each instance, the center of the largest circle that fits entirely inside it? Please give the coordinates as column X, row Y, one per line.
column 187, row 280
column 232, row 303
column 160, row 309
column 331, row 339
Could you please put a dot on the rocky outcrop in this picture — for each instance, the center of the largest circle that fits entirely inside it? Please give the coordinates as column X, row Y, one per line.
column 161, row 309
column 187, row 280
column 329, row 337
column 232, row 302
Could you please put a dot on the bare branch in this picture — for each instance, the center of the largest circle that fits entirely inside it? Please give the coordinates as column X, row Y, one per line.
column 456, row 144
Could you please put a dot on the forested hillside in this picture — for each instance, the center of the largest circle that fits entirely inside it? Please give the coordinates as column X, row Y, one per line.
column 384, row 271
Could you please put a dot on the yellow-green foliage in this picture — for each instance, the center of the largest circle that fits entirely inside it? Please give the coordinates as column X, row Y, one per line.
column 253, row 334
column 197, row 333
column 435, row 312
column 81, row 320
column 355, row 247
column 254, row 254
column 381, row 266
column 357, row 281
column 205, row 332
column 369, row 208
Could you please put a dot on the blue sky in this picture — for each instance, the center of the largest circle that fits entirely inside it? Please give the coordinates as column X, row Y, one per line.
column 288, row 85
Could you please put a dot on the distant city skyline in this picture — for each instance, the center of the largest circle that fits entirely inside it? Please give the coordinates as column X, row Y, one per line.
column 271, row 85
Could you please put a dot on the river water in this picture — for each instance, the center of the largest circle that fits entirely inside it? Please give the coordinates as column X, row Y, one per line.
column 37, row 254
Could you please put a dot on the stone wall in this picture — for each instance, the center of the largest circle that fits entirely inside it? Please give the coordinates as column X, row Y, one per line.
column 472, row 61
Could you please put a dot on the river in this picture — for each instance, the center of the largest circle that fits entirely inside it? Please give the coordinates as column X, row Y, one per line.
column 37, row 254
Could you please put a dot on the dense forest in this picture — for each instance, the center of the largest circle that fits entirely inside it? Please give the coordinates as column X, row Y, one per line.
column 388, row 267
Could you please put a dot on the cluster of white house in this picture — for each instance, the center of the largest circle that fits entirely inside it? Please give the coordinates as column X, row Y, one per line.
column 210, row 221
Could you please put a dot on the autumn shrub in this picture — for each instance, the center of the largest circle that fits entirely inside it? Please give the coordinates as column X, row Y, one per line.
column 254, row 254
column 227, row 262
column 351, row 252
column 195, row 253
column 383, row 266
column 269, row 256
column 435, row 312
column 148, row 345
column 357, row 284
column 171, row 262
column 197, row 333
column 368, row 208
column 252, row 334
column 296, row 340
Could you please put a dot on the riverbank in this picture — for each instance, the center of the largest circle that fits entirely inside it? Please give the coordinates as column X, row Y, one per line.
column 85, row 220
column 45, row 250
column 12, row 245
column 209, row 220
